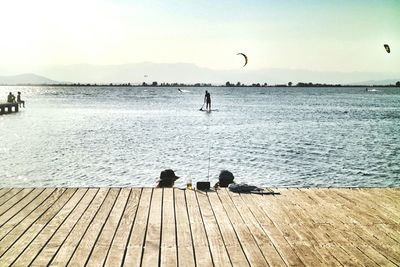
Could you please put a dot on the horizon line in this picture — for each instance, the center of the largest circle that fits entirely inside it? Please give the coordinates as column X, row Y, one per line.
column 258, row 85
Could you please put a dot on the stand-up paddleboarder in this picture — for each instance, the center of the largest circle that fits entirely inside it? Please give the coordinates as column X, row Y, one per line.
column 207, row 100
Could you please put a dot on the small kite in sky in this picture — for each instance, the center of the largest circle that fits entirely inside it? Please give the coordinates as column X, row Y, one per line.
column 387, row 48
column 245, row 58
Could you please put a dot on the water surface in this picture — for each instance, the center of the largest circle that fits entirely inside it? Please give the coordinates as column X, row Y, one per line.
column 117, row 136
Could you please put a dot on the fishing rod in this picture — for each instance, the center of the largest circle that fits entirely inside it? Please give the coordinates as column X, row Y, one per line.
column 209, row 149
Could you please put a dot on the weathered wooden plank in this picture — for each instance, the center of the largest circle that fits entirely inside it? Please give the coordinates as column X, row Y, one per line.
column 68, row 246
column 361, row 225
column 103, row 243
column 367, row 215
column 135, row 246
column 275, row 235
column 22, row 212
column 344, row 233
column 201, row 246
column 168, row 238
column 185, row 248
column 151, row 252
column 308, row 228
column 55, row 232
column 377, row 257
column 130, row 227
column 118, row 247
column 394, row 193
column 387, row 196
column 87, row 242
column 304, row 227
column 9, row 193
column 265, row 244
column 247, row 251
column 345, row 258
column 25, row 240
column 349, row 204
column 392, row 253
column 250, row 247
column 285, row 218
column 49, row 208
column 392, row 230
column 348, row 242
column 4, row 191
column 327, row 207
column 386, row 204
column 368, row 207
column 215, row 238
column 20, row 200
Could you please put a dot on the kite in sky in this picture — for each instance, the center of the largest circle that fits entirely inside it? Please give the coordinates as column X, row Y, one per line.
column 245, row 58
column 387, row 48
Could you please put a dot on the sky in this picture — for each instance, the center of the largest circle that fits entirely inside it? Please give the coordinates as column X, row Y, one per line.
column 334, row 35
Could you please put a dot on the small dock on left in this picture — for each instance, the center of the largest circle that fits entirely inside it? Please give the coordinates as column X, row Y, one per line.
column 6, row 108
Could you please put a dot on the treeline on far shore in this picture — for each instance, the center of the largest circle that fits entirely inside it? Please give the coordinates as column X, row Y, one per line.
column 227, row 84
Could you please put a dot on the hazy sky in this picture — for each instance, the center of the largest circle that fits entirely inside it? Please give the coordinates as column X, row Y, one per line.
column 334, row 35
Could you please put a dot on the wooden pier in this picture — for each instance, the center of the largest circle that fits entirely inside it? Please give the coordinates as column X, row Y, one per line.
column 173, row 227
column 6, row 108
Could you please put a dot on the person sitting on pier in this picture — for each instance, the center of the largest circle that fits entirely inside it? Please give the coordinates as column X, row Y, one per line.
column 225, row 178
column 167, row 179
column 10, row 98
column 19, row 100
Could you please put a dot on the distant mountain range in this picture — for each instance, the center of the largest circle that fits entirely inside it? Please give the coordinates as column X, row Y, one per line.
column 27, row 78
column 136, row 73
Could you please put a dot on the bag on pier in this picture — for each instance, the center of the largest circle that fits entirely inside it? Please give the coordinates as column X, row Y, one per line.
column 243, row 188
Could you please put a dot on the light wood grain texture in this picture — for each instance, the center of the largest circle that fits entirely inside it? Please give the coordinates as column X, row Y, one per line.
column 134, row 250
column 21, row 213
column 3, row 191
column 29, row 225
column 76, row 232
column 216, row 240
column 265, row 244
column 19, row 201
column 8, row 193
column 174, row 227
column 52, row 236
column 118, row 247
column 151, row 252
column 81, row 254
column 168, row 239
column 103, row 243
column 199, row 235
column 183, row 231
column 13, row 251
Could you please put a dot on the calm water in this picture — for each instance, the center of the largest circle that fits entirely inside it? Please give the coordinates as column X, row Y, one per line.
column 87, row 136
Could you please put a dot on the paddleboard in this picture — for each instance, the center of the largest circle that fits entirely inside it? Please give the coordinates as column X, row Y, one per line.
column 205, row 110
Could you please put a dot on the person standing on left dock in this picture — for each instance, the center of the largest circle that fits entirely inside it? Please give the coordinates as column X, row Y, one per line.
column 19, row 100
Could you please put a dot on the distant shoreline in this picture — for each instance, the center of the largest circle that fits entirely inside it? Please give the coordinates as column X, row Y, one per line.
column 299, row 85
